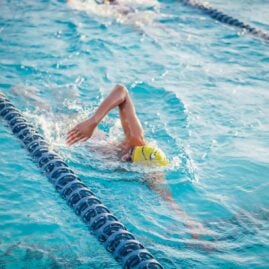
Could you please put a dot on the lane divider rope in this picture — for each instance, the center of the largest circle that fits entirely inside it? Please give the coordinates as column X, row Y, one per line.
column 115, row 237
column 226, row 19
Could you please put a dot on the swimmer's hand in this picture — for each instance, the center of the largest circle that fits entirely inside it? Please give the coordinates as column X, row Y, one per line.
column 81, row 132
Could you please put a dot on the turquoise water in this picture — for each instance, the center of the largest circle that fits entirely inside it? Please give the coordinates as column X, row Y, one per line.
column 201, row 91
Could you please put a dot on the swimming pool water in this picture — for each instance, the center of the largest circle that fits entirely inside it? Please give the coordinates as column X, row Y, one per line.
column 201, row 91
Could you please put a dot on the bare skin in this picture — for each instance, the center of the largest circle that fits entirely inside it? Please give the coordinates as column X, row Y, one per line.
column 119, row 97
column 134, row 136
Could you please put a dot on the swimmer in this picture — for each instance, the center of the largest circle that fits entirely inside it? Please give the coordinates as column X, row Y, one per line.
column 126, row 12
column 134, row 148
column 143, row 15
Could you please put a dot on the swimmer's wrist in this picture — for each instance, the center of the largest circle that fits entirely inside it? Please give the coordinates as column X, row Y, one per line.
column 93, row 120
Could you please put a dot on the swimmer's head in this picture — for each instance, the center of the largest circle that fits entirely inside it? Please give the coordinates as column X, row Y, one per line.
column 149, row 155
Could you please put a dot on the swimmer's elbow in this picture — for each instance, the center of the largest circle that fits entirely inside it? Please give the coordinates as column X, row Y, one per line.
column 121, row 91
column 121, row 88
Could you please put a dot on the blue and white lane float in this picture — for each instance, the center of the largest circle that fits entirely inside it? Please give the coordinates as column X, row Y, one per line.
column 115, row 237
column 226, row 19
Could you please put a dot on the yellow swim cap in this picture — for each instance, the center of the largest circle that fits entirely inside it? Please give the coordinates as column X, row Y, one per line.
column 149, row 154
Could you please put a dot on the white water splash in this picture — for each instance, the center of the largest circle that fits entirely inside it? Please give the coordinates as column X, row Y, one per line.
column 126, row 12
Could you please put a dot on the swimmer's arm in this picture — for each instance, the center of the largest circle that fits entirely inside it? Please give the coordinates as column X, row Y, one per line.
column 114, row 99
column 157, row 183
column 85, row 129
